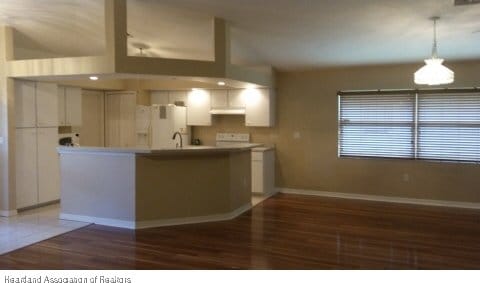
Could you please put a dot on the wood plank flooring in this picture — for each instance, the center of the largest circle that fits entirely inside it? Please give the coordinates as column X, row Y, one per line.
column 284, row 232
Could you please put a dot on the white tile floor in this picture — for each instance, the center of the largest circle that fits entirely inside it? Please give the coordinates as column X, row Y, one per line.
column 33, row 226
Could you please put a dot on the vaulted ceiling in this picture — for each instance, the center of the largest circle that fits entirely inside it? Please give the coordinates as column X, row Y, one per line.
column 288, row 34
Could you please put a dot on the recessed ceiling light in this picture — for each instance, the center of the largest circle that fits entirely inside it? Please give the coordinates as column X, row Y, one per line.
column 93, row 78
column 221, row 83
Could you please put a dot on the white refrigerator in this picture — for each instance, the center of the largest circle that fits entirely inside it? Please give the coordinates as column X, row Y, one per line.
column 165, row 121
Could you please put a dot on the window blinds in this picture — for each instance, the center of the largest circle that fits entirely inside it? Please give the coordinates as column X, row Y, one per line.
column 449, row 126
column 430, row 125
column 376, row 125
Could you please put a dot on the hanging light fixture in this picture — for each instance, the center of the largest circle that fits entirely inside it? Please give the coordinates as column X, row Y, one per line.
column 434, row 73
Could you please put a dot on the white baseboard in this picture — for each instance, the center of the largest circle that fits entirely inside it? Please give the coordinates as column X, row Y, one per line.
column 98, row 220
column 193, row 220
column 430, row 202
column 156, row 223
column 8, row 213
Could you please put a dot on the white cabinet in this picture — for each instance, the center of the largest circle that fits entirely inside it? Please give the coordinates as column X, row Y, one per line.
column 47, row 104
column 159, row 97
column 120, row 109
column 259, row 108
column 263, row 171
column 198, row 108
column 25, row 113
column 219, row 99
column 37, row 167
column 26, row 167
column 48, row 165
column 168, row 97
column 177, row 96
column 236, row 98
column 227, row 99
column 69, row 106
column 61, row 106
column 36, row 104
column 73, row 106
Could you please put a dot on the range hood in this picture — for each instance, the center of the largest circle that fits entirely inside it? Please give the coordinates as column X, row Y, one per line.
column 228, row 111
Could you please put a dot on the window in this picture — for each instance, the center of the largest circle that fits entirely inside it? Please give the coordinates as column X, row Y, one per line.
column 425, row 124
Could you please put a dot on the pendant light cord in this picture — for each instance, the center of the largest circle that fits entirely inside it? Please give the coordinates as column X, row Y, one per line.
column 434, row 48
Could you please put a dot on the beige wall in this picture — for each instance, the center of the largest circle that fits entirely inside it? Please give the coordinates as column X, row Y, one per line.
column 307, row 103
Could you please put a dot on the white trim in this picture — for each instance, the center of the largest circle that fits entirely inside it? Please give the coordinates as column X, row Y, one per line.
column 98, row 220
column 268, row 195
column 8, row 213
column 156, row 223
column 429, row 202
column 195, row 219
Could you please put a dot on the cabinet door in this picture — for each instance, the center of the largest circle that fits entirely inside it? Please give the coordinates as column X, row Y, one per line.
column 236, row 98
column 120, row 119
column 198, row 108
column 26, row 167
column 259, row 108
column 159, row 97
column 219, row 99
column 92, row 132
column 61, row 106
column 177, row 96
column 48, row 165
column 25, row 114
column 47, row 104
column 128, row 105
column 73, row 106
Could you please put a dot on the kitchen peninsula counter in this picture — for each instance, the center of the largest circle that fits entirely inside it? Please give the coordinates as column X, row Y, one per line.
column 142, row 187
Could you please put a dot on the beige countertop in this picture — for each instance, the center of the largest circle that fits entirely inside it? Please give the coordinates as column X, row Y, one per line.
column 155, row 151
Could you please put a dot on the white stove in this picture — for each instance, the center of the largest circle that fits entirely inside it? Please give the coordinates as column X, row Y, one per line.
column 232, row 139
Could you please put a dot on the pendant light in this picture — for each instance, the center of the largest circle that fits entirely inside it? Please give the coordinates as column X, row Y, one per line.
column 434, row 73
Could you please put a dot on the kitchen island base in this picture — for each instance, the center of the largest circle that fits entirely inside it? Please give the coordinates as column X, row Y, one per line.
column 139, row 190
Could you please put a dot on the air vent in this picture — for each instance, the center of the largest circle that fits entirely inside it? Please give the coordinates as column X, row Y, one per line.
column 466, row 2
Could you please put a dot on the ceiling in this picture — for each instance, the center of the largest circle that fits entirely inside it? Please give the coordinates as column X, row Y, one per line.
column 287, row 34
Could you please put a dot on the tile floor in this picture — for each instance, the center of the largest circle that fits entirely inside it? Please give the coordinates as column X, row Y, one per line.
column 33, row 226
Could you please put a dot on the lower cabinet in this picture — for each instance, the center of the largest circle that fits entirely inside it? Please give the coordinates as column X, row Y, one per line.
column 48, row 165
column 26, row 167
column 37, row 166
column 263, row 171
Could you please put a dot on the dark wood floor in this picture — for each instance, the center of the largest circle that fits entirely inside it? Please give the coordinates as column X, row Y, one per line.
column 284, row 232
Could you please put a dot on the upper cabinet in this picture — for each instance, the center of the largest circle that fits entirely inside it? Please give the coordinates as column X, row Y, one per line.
column 25, row 109
column 70, row 106
column 259, row 107
column 227, row 99
column 236, row 99
column 256, row 104
column 219, row 98
column 73, row 106
column 198, row 108
column 169, row 97
column 175, row 97
column 47, row 105
column 36, row 104
column 159, row 97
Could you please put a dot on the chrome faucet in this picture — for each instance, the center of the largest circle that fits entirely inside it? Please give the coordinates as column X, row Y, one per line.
column 181, row 139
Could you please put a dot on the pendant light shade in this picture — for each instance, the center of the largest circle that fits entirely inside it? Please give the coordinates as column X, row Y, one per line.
column 434, row 73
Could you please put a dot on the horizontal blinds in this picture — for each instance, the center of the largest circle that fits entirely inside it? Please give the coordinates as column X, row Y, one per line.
column 449, row 126
column 376, row 125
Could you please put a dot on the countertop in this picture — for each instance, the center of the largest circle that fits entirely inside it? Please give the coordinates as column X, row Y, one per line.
column 154, row 151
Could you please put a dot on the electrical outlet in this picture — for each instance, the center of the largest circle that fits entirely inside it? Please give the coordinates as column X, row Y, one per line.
column 406, row 177
column 297, row 135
